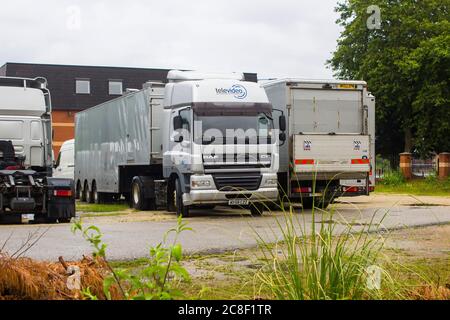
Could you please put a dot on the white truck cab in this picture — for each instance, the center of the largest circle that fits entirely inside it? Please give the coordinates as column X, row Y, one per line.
column 220, row 140
column 26, row 182
column 65, row 164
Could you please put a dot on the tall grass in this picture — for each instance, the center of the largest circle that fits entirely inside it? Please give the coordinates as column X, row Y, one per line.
column 392, row 178
column 319, row 259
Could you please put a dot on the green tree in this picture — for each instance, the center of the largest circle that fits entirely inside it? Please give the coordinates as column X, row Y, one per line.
column 406, row 63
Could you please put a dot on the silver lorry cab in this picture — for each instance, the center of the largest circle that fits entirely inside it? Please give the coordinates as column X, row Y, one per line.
column 330, row 150
column 199, row 140
column 225, row 146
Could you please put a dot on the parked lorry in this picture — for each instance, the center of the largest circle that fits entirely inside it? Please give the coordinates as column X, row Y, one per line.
column 199, row 140
column 330, row 150
column 26, row 182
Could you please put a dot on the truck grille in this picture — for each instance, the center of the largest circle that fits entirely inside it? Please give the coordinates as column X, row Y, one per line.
column 237, row 182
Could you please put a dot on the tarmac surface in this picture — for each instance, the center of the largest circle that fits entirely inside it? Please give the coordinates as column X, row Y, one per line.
column 222, row 229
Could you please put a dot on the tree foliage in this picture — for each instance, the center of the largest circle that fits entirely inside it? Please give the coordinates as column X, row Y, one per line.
column 406, row 64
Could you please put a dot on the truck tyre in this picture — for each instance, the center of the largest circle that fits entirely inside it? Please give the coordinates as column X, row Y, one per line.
column 95, row 194
column 307, row 203
column 88, row 194
column 257, row 209
column 181, row 209
column 78, row 192
column 137, row 197
column 82, row 194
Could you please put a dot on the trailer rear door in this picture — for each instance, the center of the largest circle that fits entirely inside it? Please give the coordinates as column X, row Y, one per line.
column 326, row 110
column 341, row 155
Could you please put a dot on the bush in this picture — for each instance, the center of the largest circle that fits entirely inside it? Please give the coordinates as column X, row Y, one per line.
column 158, row 278
column 392, row 178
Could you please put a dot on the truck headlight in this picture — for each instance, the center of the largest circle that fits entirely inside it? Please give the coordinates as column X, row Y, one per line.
column 271, row 182
column 200, row 183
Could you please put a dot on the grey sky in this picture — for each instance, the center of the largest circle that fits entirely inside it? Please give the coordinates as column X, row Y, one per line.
column 274, row 38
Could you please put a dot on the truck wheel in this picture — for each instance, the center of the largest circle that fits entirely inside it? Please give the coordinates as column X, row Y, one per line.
column 88, row 194
column 83, row 194
column 257, row 209
column 307, row 203
column 181, row 209
column 138, row 200
column 78, row 192
column 95, row 194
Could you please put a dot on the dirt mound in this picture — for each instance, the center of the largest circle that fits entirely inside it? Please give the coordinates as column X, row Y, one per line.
column 26, row 279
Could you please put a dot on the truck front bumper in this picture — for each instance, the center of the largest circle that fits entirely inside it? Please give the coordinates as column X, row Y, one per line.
column 222, row 197
column 267, row 192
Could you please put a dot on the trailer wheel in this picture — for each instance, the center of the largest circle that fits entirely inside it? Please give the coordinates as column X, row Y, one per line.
column 138, row 200
column 82, row 193
column 181, row 209
column 88, row 194
column 257, row 209
column 95, row 195
column 78, row 192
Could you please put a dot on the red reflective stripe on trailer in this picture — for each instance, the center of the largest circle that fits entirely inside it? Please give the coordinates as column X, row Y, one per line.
column 62, row 193
column 360, row 161
column 304, row 161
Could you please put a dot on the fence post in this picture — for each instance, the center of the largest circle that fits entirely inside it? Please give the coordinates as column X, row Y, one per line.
column 444, row 165
column 405, row 165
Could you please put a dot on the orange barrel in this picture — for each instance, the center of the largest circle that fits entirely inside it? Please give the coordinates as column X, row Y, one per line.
column 405, row 165
column 444, row 165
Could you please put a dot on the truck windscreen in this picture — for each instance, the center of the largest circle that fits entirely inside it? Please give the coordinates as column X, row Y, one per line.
column 247, row 128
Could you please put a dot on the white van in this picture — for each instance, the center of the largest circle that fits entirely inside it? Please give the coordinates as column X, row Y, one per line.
column 65, row 164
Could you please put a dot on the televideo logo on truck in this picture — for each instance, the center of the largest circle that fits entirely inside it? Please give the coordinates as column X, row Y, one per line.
column 238, row 91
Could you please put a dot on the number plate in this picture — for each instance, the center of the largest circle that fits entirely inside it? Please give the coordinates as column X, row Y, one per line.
column 238, row 202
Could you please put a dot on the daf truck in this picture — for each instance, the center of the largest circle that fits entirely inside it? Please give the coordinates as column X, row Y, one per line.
column 330, row 147
column 26, row 182
column 198, row 141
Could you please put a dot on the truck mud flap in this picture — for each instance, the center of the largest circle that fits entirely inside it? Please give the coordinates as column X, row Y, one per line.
column 61, row 199
column 61, row 208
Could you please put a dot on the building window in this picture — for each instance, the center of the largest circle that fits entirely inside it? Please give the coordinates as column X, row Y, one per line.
column 115, row 87
column 83, row 86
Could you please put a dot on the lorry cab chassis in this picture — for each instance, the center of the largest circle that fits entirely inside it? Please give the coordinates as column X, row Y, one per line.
column 199, row 141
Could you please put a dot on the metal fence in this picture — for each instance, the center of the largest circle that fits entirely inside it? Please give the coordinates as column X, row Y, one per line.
column 423, row 167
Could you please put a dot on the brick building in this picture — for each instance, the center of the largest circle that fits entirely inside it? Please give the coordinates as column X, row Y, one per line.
column 75, row 88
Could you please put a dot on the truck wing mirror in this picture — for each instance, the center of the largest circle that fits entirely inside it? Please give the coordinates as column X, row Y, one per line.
column 177, row 123
column 282, row 136
column 282, row 123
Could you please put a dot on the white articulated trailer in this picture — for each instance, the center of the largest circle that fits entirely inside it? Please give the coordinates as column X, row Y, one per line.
column 330, row 149
column 199, row 140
